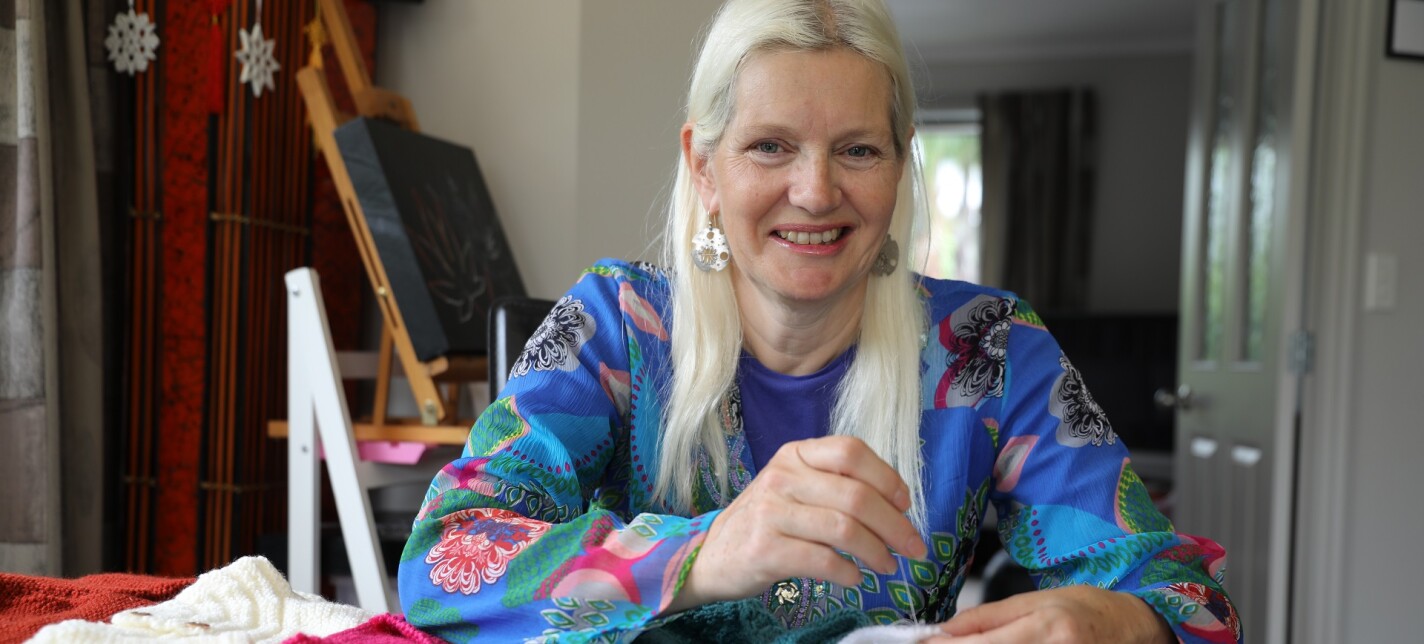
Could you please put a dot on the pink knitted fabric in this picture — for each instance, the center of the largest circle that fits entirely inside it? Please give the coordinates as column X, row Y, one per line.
column 386, row 628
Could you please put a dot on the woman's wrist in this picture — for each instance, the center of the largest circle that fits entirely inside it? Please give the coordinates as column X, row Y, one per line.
column 1154, row 628
column 692, row 592
column 687, row 597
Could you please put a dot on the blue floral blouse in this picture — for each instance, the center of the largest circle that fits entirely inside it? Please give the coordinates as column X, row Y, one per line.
column 546, row 529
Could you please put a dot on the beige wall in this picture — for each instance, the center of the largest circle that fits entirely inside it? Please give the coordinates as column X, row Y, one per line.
column 635, row 59
column 571, row 107
column 502, row 78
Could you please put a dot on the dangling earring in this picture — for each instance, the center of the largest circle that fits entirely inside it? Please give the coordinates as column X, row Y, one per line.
column 709, row 247
column 888, row 258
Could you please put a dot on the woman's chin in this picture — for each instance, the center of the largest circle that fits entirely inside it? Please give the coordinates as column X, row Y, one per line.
column 816, row 285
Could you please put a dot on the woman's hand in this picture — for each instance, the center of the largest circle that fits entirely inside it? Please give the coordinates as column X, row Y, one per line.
column 815, row 497
column 1060, row 615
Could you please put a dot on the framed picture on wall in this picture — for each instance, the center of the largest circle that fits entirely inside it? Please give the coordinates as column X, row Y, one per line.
column 1406, row 29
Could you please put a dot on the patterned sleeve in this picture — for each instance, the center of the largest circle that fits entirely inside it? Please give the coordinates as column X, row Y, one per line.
column 527, row 536
column 1072, row 511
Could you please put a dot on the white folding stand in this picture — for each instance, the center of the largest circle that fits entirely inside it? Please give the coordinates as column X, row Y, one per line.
column 319, row 419
column 314, row 394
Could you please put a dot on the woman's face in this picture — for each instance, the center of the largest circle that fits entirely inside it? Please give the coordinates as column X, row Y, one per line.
column 804, row 178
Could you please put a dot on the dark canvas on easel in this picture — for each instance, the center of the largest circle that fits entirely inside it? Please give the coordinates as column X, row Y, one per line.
column 435, row 230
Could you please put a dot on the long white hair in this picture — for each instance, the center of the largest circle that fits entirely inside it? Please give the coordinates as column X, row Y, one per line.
column 879, row 399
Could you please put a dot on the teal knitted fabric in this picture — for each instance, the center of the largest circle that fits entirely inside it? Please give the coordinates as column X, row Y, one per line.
column 749, row 621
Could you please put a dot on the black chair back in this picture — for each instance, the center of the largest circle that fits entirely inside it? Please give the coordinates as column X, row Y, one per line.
column 512, row 320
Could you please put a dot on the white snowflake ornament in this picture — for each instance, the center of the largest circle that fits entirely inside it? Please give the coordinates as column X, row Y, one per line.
column 132, row 41
column 258, row 63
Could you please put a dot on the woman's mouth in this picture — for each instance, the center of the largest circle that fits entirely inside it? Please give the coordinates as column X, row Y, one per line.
column 803, row 238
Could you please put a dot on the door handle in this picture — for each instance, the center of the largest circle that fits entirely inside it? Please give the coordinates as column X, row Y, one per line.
column 1203, row 447
column 1181, row 399
column 1247, row 455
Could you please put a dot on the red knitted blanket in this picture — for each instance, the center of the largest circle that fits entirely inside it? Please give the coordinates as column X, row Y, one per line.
column 29, row 603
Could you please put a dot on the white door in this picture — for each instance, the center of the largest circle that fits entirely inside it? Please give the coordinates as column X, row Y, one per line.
column 1240, row 281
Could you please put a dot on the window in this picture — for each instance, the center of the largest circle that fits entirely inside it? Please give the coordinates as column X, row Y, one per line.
column 949, row 244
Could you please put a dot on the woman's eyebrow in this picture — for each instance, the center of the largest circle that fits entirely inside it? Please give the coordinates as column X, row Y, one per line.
column 867, row 134
column 776, row 130
column 764, row 130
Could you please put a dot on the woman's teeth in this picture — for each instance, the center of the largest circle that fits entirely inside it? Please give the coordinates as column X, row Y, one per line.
column 824, row 237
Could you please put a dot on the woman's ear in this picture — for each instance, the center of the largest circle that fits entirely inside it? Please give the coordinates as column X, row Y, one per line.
column 700, row 168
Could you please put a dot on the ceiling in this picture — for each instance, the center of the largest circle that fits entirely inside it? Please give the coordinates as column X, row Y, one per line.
column 978, row 30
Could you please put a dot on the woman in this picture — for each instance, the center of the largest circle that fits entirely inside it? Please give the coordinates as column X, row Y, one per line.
column 785, row 413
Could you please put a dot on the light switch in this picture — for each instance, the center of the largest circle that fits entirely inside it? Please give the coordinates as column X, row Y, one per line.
column 1381, row 281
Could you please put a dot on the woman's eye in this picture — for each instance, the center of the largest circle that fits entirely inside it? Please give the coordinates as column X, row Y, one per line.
column 858, row 151
column 768, row 147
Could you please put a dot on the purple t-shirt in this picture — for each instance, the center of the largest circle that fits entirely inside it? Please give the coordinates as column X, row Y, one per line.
column 778, row 409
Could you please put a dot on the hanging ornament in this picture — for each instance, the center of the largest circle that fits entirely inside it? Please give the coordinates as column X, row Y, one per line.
column 132, row 40
column 316, row 35
column 258, row 64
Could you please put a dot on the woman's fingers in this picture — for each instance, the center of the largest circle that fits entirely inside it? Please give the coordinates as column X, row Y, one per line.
column 851, row 457
column 852, row 503
column 809, row 558
column 769, row 542
column 1019, row 631
column 833, row 530
column 815, row 500
column 846, row 475
column 987, row 617
column 1060, row 615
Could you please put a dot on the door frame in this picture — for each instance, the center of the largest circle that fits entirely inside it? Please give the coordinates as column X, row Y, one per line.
column 1341, row 39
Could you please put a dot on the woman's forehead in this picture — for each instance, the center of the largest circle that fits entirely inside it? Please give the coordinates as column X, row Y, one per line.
column 833, row 87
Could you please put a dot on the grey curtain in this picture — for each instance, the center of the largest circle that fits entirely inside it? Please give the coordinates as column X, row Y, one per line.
column 52, row 307
column 1038, row 151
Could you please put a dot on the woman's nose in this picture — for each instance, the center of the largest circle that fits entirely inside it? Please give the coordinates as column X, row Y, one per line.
column 813, row 185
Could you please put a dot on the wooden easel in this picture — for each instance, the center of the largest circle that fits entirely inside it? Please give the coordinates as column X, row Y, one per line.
column 437, row 423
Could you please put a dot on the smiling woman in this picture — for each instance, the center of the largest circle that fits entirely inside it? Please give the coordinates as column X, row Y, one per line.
column 804, row 184
column 781, row 427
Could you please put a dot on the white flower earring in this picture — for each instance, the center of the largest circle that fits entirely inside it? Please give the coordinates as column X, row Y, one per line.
column 709, row 247
column 888, row 259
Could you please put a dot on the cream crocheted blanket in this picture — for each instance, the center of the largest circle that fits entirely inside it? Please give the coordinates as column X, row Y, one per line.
column 246, row 601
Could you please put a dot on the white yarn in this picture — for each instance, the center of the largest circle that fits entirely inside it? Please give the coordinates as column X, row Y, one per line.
column 891, row 634
column 247, row 600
